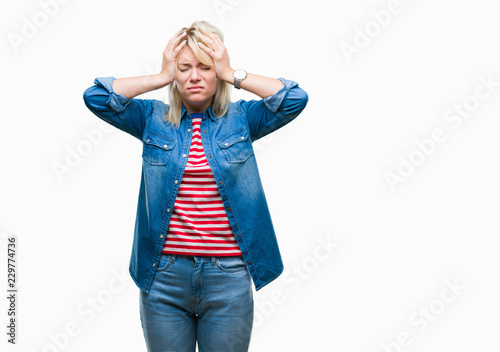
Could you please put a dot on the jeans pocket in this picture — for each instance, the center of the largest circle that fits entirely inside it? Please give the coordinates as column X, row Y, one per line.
column 165, row 262
column 231, row 264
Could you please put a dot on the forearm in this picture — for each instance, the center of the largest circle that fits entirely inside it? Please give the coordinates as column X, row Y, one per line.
column 131, row 87
column 259, row 85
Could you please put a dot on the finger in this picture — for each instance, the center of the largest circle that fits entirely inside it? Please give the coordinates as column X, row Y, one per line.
column 206, row 49
column 175, row 40
column 173, row 43
column 178, row 39
column 215, row 37
column 179, row 47
column 180, row 33
column 208, row 40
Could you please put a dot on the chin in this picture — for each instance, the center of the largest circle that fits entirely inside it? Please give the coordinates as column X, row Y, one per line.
column 197, row 100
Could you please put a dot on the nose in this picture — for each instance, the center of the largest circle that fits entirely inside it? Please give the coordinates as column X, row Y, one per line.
column 195, row 75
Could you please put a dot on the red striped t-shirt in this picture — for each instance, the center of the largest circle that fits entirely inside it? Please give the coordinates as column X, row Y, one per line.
column 199, row 224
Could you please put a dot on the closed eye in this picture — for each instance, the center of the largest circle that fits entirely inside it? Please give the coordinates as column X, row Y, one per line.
column 203, row 68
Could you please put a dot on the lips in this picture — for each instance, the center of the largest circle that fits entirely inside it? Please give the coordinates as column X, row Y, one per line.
column 195, row 88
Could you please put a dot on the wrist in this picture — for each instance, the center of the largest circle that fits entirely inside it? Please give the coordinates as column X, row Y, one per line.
column 228, row 76
column 162, row 79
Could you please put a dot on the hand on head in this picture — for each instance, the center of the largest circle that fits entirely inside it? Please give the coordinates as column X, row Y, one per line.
column 173, row 48
column 218, row 52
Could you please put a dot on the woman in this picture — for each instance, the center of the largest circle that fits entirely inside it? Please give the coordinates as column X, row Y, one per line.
column 203, row 230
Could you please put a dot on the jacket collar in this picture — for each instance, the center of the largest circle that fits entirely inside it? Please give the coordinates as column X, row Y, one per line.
column 208, row 112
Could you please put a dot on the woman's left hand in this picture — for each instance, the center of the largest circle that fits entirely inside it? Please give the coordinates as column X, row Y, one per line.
column 219, row 55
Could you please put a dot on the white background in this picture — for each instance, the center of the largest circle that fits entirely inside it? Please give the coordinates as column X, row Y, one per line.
column 324, row 174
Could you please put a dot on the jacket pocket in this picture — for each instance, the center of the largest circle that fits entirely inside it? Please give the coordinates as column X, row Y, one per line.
column 157, row 148
column 236, row 146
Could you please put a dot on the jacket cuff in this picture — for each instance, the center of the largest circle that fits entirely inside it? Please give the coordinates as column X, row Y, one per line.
column 116, row 101
column 274, row 101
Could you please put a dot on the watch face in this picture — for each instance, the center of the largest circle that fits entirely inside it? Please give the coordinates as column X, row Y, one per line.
column 240, row 74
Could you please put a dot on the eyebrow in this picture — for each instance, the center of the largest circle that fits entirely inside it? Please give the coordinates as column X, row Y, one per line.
column 189, row 65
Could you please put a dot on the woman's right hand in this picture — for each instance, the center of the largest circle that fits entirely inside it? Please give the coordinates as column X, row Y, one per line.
column 131, row 87
column 174, row 47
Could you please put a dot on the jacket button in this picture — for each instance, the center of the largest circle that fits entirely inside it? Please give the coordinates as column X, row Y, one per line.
column 189, row 130
column 242, row 138
column 209, row 155
column 165, row 146
column 250, row 262
column 239, row 235
column 148, row 140
column 204, row 131
column 176, row 182
column 161, row 236
column 168, row 210
column 154, row 264
column 220, row 182
column 228, row 208
column 226, row 144
column 184, row 155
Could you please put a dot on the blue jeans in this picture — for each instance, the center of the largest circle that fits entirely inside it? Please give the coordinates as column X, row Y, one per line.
column 204, row 299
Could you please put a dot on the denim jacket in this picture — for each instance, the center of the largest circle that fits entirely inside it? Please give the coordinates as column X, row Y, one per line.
column 227, row 142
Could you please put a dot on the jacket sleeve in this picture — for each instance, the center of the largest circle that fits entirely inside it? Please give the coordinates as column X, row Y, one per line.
column 128, row 115
column 268, row 114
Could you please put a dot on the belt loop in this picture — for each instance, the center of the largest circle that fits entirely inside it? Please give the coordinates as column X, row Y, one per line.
column 173, row 258
column 213, row 260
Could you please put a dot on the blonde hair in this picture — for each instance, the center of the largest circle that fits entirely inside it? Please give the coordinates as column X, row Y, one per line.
column 222, row 96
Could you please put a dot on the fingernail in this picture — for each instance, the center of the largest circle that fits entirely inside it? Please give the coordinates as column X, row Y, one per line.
column 199, row 43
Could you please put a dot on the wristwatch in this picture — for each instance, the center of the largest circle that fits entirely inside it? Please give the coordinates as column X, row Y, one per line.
column 239, row 75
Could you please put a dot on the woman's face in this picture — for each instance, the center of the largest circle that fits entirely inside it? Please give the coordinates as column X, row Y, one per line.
column 196, row 82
